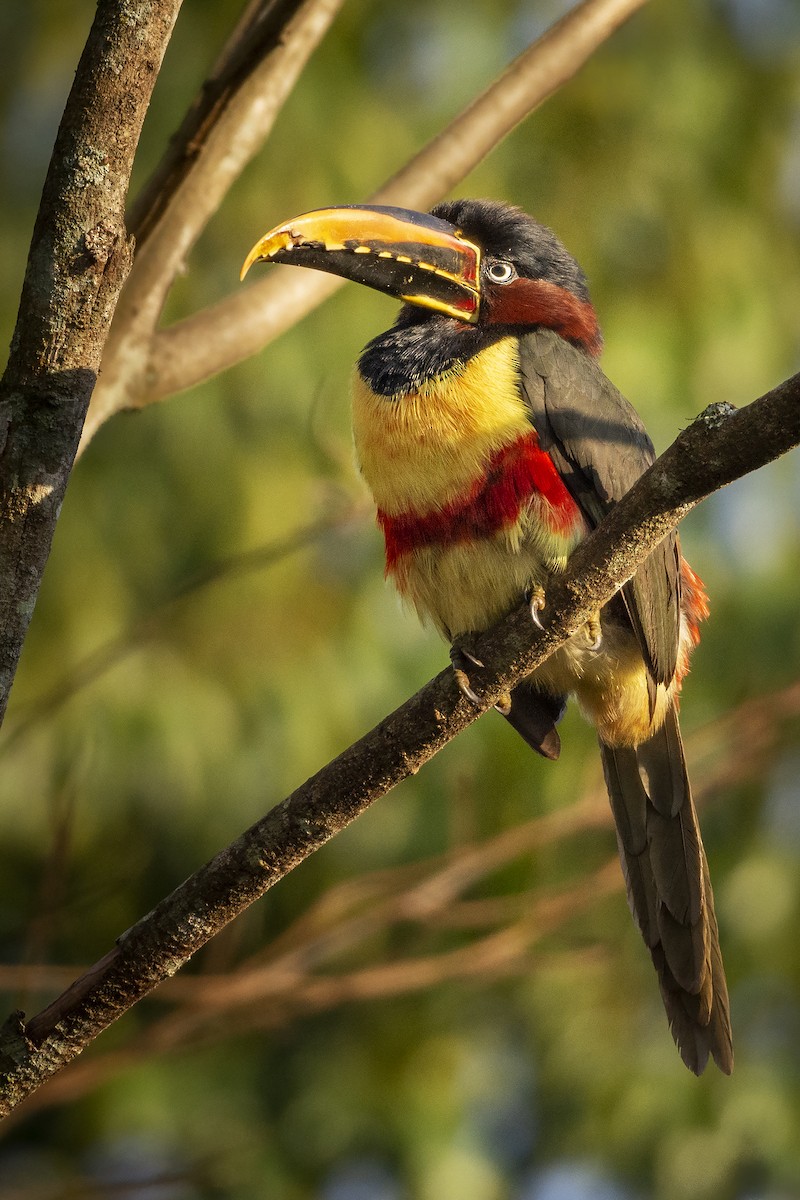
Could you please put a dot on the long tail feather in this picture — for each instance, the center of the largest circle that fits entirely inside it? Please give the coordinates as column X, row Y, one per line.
column 669, row 890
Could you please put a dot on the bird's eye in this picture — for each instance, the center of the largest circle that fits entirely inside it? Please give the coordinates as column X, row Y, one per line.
column 501, row 271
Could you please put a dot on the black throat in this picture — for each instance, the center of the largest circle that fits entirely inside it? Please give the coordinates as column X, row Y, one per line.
column 420, row 346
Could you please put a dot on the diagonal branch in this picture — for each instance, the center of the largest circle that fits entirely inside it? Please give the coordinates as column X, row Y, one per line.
column 720, row 446
column 78, row 261
column 428, row 892
column 271, row 981
column 241, row 105
column 262, row 28
column 243, row 323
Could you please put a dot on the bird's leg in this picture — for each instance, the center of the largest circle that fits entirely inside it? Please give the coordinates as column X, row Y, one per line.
column 461, row 657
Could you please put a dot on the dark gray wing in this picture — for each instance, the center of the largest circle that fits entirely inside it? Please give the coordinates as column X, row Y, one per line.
column 600, row 447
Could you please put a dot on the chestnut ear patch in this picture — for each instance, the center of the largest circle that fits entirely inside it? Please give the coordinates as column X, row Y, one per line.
column 537, row 302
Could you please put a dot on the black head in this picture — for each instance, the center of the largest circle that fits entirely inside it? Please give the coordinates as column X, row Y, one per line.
column 507, row 234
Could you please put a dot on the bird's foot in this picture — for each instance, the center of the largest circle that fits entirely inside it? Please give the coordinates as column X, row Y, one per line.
column 537, row 602
column 461, row 659
column 592, row 629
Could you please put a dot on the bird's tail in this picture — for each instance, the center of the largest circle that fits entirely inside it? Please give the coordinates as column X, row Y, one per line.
column 669, row 890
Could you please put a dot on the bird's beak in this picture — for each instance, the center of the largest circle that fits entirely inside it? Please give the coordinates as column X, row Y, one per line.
column 413, row 256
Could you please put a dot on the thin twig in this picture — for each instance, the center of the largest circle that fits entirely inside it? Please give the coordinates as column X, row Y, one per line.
column 98, row 662
column 501, row 953
column 262, row 27
column 267, row 63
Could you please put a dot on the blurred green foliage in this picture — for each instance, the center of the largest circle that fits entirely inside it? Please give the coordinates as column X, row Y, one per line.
column 670, row 167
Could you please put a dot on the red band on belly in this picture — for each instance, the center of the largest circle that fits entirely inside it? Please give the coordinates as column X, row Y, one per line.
column 494, row 501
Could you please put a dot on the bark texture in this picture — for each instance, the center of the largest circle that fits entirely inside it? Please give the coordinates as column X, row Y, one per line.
column 79, row 257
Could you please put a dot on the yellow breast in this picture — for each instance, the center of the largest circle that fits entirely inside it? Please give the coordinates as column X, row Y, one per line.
column 420, row 450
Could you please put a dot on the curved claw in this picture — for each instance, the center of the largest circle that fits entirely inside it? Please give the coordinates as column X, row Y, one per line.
column 466, row 654
column 536, row 606
column 458, row 654
column 503, row 705
column 465, row 689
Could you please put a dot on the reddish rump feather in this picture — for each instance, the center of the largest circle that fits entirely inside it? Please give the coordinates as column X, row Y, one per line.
column 694, row 604
column 694, row 600
column 512, row 476
column 539, row 302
